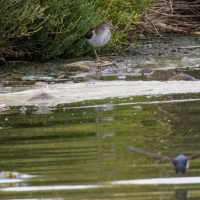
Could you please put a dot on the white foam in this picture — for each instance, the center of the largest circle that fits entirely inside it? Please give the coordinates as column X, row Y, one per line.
column 156, row 181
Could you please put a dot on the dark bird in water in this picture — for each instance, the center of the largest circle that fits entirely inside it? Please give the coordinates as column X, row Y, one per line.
column 181, row 162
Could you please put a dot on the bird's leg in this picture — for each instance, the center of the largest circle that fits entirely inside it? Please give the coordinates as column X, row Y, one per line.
column 97, row 59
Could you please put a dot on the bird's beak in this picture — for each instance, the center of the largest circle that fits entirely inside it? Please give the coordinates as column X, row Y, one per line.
column 114, row 27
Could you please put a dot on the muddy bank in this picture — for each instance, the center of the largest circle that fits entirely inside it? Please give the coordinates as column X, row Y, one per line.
column 66, row 93
column 170, row 54
column 140, row 71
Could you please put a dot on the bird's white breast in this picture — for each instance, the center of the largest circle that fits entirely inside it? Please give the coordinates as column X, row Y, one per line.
column 98, row 40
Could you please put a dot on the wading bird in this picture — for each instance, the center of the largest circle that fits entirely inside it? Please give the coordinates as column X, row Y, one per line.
column 99, row 35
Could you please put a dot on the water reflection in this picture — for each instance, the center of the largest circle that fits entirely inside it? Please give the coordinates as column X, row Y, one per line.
column 181, row 194
column 42, row 109
column 105, row 134
column 13, row 179
column 166, row 181
column 105, row 119
column 3, row 108
column 156, row 181
column 14, row 175
column 80, row 146
column 104, row 107
column 42, row 188
column 23, row 110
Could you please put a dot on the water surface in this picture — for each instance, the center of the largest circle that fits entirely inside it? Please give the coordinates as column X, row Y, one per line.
column 76, row 151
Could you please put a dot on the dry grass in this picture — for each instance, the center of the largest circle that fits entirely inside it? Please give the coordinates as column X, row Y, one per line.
column 181, row 16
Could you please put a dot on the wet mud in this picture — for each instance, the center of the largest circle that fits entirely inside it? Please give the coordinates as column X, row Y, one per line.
column 173, row 57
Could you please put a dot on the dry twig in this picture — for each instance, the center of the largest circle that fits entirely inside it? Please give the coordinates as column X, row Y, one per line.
column 181, row 16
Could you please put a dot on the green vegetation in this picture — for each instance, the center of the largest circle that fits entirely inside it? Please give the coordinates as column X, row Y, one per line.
column 50, row 29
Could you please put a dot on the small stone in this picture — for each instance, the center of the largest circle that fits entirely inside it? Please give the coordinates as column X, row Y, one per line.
column 40, row 84
column 182, row 77
column 41, row 96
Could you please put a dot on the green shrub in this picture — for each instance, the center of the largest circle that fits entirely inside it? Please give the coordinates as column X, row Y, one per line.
column 48, row 29
column 20, row 18
column 63, row 33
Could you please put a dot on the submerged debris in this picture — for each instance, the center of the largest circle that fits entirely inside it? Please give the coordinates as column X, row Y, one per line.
column 14, row 175
column 42, row 78
column 36, row 78
column 42, row 96
column 182, row 77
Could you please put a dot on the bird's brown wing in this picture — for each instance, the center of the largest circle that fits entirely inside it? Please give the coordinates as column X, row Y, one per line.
column 193, row 156
column 132, row 148
column 89, row 34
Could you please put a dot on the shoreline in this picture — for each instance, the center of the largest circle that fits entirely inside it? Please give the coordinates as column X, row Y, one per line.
column 68, row 93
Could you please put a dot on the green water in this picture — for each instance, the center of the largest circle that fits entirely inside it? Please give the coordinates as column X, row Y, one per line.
column 83, row 144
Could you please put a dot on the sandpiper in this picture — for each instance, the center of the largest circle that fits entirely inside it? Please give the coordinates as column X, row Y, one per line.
column 99, row 35
column 181, row 162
